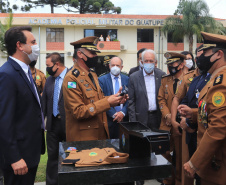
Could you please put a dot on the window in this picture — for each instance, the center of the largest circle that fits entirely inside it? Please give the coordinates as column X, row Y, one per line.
column 104, row 32
column 145, row 35
column 170, row 38
column 54, row 35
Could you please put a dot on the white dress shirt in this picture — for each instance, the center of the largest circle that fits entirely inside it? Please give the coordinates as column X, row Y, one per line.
column 150, row 87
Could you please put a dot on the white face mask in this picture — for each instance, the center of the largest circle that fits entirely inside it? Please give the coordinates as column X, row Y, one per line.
column 115, row 70
column 141, row 65
column 189, row 64
column 34, row 53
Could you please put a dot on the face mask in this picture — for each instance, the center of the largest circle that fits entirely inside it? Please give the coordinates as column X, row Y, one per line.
column 50, row 70
column 173, row 70
column 203, row 62
column 33, row 63
column 34, row 52
column 90, row 62
column 149, row 67
column 115, row 70
column 189, row 64
column 141, row 65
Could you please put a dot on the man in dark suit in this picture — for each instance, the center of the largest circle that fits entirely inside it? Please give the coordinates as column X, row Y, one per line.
column 139, row 59
column 143, row 92
column 110, row 83
column 54, row 110
column 21, row 117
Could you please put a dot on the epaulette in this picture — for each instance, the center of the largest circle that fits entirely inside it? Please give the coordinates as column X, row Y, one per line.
column 103, row 74
column 218, row 80
column 76, row 72
column 166, row 75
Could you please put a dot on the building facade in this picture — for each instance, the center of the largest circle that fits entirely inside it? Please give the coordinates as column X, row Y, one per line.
column 128, row 34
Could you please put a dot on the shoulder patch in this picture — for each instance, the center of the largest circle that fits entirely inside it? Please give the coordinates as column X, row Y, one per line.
column 166, row 75
column 218, row 99
column 76, row 72
column 218, row 80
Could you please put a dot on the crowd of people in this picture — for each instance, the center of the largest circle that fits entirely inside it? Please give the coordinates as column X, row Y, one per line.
column 188, row 101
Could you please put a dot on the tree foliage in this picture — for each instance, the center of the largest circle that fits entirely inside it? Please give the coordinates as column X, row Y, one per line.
column 5, row 6
column 191, row 17
column 77, row 6
column 3, row 28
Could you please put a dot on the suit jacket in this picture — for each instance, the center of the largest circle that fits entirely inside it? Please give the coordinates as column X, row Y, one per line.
column 47, row 99
column 21, row 135
column 138, row 99
column 107, row 88
column 134, row 69
column 210, row 156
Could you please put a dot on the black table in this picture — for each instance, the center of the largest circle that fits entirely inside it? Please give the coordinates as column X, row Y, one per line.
column 135, row 169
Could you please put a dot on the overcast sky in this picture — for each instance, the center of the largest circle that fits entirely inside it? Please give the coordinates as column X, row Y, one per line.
column 148, row 7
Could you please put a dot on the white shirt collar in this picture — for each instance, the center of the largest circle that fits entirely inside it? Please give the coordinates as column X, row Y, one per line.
column 113, row 76
column 145, row 74
column 22, row 64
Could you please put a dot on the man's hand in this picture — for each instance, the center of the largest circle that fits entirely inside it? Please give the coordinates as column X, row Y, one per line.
column 175, row 128
column 183, row 124
column 124, row 99
column 118, row 116
column 20, row 167
column 188, row 170
column 185, row 111
column 168, row 120
column 114, row 100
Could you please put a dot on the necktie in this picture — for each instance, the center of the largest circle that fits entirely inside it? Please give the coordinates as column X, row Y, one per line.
column 117, row 108
column 92, row 79
column 175, row 85
column 36, row 95
column 56, row 97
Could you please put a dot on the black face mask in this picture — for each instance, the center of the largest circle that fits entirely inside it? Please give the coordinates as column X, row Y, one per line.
column 173, row 70
column 204, row 63
column 50, row 70
column 33, row 63
column 91, row 62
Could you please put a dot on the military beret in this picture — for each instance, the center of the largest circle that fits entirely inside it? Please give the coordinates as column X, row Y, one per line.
column 89, row 43
column 173, row 57
column 213, row 41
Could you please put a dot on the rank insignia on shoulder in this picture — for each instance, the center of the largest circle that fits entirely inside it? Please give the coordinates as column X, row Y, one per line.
column 76, row 72
column 71, row 85
column 218, row 80
column 91, row 69
column 190, row 79
column 218, row 99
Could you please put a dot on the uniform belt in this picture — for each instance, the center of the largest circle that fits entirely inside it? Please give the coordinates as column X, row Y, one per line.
column 57, row 117
column 152, row 111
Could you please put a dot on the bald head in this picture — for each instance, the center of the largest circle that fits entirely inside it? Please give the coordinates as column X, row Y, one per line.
column 117, row 60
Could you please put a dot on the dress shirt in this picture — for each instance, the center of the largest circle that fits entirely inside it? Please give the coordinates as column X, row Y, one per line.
column 120, row 84
column 150, row 87
column 61, row 79
column 25, row 69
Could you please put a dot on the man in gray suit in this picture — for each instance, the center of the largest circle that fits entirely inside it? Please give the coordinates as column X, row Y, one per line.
column 143, row 92
column 53, row 103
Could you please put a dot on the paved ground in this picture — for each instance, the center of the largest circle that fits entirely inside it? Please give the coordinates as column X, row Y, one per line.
column 149, row 182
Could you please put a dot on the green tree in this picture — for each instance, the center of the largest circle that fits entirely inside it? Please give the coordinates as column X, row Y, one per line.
column 191, row 17
column 5, row 6
column 3, row 28
column 77, row 6
column 91, row 6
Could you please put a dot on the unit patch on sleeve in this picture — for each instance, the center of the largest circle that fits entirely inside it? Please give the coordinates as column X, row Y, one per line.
column 218, row 99
column 218, row 80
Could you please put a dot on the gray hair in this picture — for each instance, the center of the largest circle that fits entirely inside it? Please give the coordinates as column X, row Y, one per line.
column 149, row 51
column 116, row 57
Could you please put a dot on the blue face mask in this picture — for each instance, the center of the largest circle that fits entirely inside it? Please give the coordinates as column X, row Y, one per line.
column 149, row 67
